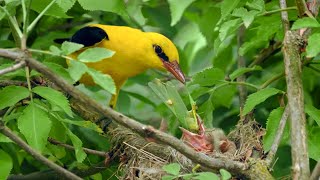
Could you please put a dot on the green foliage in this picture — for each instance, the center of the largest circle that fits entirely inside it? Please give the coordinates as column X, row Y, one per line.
column 209, row 77
column 257, row 98
column 177, row 8
column 312, row 48
column 305, row 22
column 241, row 71
column 5, row 164
column 95, row 54
column 70, row 47
column 10, row 95
column 35, row 125
column 103, row 80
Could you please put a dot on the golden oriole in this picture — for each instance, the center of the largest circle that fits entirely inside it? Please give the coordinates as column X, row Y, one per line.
column 135, row 52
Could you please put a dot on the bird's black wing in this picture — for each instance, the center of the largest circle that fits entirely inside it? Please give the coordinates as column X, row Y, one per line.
column 88, row 36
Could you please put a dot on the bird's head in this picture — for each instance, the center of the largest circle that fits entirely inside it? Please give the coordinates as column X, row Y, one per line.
column 164, row 55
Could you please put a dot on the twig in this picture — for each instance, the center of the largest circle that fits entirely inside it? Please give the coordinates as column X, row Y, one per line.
column 299, row 146
column 7, row 132
column 269, row 81
column 278, row 10
column 278, row 137
column 316, row 172
column 143, row 130
column 302, row 8
column 13, row 68
column 266, row 53
column 284, row 16
column 241, row 64
column 86, row 150
column 52, row 175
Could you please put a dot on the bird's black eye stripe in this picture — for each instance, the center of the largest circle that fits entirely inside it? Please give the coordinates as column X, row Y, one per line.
column 160, row 53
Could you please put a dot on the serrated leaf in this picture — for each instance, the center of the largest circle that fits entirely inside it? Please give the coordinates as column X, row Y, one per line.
column 313, row 112
column 207, row 176
column 173, row 168
column 313, row 47
column 95, row 54
column 272, row 127
column 225, row 175
column 246, row 16
column 240, row 71
column 70, row 47
column 58, row 69
column 305, row 22
column 10, row 95
column 228, row 27
column 77, row 144
column 257, row 98
column 5, row 164
column 76, row 69
column 85, row 124
column 257, row 4
column 208, row 77
column 177, row 8
column 35, row 125
column 115, row 6
column 66, row 4
column 103, row 80
column 227, row 7
column 54, row 97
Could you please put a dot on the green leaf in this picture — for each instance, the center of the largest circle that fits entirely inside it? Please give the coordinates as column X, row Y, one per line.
column 77, row 144
column 257, row 98
column 76, row 70
column 134, row 8
column 223, row 96
column 4, row 138
column 35, row 125
column 55, row 10
column 177, row 8
column 5, row 164
column 208, row 77
column 115, row 6
column 173, row 168
column 168, row 177
column 241, row 71
column 66, row 4
column 58, row 69
column 95, row 54
column 313, row 112
column 305, row 22
column 103, row 80
column 247, row 17
column 207, row 176
column 314, row 143
column 228, row 28
column 54, row 97
column 225, row 175
column 70, row 47
column 257, row 5
column 10, row 95
column 272, row 127
column 85, row 124
column 55, row 50
column 227, row 7
column 313, row 47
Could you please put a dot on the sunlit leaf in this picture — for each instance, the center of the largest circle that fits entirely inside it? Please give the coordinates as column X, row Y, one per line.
column 10, row 95
column 103, row 80
column 177, row 8
column 173, row 168
column 5, row 164
column 95, row 54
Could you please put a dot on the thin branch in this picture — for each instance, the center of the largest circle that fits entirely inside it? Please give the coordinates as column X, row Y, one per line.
column 241, row 64
column 266, row 53
column 277, row 139
column 278, row 10
column 273, row 79
column 7, row 132
column 316, row 172
column 12, row 68
column 284, row 16
column 293, row 70
column 302, row 8
column 135, row 126
column 86, row 150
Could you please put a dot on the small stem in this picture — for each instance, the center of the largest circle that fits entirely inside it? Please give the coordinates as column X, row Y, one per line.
column 35, row 21
column 28, row 81
column 12, row 22
column 24, row 12
column 314, row 68
column 268, row 82
column 277, row 139
column 50, row 53
column 12, row 68
column 278, row 10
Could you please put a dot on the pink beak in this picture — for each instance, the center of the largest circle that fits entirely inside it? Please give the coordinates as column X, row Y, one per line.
column 173, row 68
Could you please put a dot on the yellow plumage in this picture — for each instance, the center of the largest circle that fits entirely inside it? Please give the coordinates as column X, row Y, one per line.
column 134, row 53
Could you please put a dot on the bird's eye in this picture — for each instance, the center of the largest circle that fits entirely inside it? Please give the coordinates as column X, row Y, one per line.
column 157, row 49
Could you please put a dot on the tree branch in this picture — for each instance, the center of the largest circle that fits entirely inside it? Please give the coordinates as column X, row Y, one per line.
column 7, row 132
column 143, row 130
column 12, row 68
column 86, row 150
column 277, row 139
column 292, row 62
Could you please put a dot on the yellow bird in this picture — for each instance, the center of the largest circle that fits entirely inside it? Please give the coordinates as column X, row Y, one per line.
column 135, row 52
